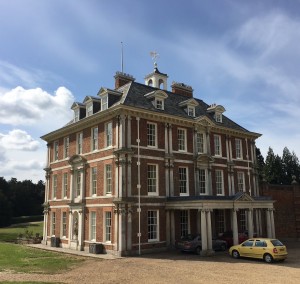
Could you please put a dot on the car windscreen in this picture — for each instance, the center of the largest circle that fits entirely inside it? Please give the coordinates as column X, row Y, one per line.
column 276, row 243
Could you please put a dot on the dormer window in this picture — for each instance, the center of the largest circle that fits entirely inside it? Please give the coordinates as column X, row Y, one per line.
column 104, row 102
column 218, row 117
column 76, row 115
column 157, row 98
column 189, row 106
column 159, row 104
column 191, row 111
column 217, row 111
column 89, row 109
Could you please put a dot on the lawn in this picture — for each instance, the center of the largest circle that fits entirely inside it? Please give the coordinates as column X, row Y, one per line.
column 22, row 258
column 10, row 234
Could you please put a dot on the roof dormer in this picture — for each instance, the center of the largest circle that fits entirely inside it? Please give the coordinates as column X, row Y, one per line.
column 108, row 97
column 189, row 106
column 79, row 111
column 157, row 98
column 92, row 105
column 217, row 111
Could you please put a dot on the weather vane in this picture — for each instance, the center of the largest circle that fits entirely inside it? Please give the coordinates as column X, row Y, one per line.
column 154, row 55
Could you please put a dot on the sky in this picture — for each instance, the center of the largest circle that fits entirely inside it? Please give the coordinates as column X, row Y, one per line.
column 243, row 55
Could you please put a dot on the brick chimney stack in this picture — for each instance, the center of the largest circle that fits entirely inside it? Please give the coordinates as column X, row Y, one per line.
column 182, row 89
column 122, row 78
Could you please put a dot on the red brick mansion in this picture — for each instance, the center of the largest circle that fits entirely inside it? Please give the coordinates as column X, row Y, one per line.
column 140, row 166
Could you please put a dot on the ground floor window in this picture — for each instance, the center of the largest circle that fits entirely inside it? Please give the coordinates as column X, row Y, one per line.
column 243, row 225
column 152, row 225
column 184, row 222
column 53, row 223
column 220, row 221
column 93, row 226
column 64, row 224
column 108, row 226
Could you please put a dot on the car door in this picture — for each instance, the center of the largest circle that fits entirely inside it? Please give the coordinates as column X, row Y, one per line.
column 246, row 248
column 259, row 248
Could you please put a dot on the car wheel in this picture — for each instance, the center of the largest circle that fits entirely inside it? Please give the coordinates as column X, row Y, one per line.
column 223, row 247
column 235, row 254
column 198, row 250
column 268, row 258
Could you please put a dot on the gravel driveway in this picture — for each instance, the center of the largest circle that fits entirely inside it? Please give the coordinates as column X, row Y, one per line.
column 175, row 267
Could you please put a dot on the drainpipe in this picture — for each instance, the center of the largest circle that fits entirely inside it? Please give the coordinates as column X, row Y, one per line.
column 139, row 182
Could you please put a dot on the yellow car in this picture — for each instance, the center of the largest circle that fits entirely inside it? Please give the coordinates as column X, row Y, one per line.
column 261, row 248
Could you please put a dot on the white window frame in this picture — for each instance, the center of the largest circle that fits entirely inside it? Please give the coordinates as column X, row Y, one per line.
column 107, row 226
column 151, row 137
column 184, row 222
column 159, row 103
column 89, row 109
column 238, row 149
column 55, row 151
column 79, row 142
column 94, row 138
column 93, row 226
column 218, row 145
column 65, row 185
column 93, row 181
column 108, row 179
column 64, row 224
column 218, row 117
column 200, row 145
column 181, row 139
column 108, row 134
column 149, row 179
column 153, row 226
column 76, row 114
column 66, row 146
column 205, row 181
column 53, row 223
column 183, row 183
column 78, row 184
column 54, row 186
column 191, row 111
column 104, row 102
column 219, row 182
column 241, row 181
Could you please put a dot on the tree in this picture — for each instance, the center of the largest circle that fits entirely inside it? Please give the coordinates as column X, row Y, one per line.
column 260, row 164
column 273, row 169
column 5, row 204
column 291, row 166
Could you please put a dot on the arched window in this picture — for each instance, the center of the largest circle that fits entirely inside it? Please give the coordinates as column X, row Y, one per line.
column 161, row 83
column 150, row 83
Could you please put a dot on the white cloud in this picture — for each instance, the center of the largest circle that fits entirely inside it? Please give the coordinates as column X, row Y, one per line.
column 18, row 140
column 22, row 107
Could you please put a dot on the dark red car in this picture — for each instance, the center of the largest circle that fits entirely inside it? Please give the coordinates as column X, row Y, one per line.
column 228, row 238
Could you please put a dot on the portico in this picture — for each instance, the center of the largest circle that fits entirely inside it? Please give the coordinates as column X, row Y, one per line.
column 205, row 207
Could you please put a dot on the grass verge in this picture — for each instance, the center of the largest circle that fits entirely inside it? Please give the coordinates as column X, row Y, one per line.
column 19, row 258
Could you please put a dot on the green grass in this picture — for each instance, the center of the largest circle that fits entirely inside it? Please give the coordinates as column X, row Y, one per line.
column 10, row 234
column 20, row 258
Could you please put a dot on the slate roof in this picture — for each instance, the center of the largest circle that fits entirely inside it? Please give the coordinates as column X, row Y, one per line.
column 135, row 98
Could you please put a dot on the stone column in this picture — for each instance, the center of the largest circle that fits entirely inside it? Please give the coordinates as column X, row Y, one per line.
column 168, row 227
column 208, row 149
column 129, row 228
column 272, row 223
column 209, row 232
column 203, row 231
column 80, row 229
column 171, row 178
column 250, row 223
column 172, row 228
column 129, row 176
column 167, row 177
column 235, row 227
column 269, row 226
column 122, row 131
column 72, row 185
column 128, row 131
column 166, row 138
column 45, row 228
column 170, row 139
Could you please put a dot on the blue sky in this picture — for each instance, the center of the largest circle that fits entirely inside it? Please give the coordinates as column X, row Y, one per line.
column 243, row 55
